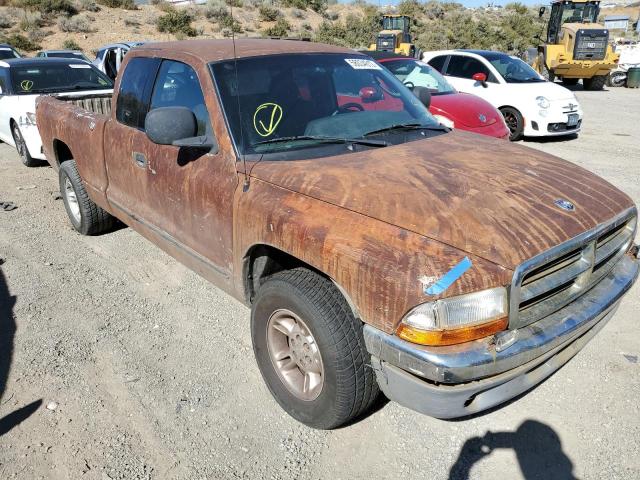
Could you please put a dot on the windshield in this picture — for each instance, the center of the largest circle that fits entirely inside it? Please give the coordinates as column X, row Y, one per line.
column 414, row 73
column 579, row 13
column 6, row 53
column 57, row 78
column 77, row 55
column 514, row 70
column 395, row 23
column 312, row 95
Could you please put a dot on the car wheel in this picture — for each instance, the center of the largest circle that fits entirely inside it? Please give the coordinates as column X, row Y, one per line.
column 86, row 217
column 310, row 349
column 515, row 122
column 594, row 83
column 617, row 79
column 21, row 147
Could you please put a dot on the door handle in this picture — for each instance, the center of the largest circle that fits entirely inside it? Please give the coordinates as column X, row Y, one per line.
column 139, row 159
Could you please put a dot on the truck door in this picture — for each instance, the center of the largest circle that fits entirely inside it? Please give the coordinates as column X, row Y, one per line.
column 183, row 196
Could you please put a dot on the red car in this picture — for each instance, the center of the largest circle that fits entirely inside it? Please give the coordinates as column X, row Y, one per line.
column 451, row 108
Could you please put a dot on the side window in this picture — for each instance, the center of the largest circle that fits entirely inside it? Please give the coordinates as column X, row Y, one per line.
column 438, row 62
column 465, row 67
column 4, row 81
column 177, row 85
column 133, row 96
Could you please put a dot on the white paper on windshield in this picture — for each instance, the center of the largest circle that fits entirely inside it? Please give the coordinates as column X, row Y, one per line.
column 78, row 65
column 362, row 64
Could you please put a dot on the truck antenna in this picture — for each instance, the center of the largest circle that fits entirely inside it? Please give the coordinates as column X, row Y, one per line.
column 245, row 185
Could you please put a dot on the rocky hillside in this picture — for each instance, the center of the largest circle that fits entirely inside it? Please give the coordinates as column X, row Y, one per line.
column 31, row 25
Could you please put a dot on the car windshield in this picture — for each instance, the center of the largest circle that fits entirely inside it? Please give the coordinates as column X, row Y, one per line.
column 6, row 53
column 514, row 70
column 414, row 73
column 57, row 77
column 294, row 101
column 77, row 55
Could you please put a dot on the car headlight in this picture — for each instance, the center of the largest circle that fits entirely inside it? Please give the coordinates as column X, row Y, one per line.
column 543, row 102
column 445, row 121
column 29, row 119
column 457, row 319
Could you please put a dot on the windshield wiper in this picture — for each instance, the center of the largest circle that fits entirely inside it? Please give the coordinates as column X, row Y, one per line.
column 406, row 126
column 360, row 141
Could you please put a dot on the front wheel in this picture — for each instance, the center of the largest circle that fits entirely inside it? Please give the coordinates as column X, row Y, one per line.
column 515, row 122
column 594, row 83
column 86, row 217
column 310, row 349
column 23, row 150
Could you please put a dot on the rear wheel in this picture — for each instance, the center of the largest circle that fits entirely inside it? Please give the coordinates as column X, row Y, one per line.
column 23, row 150
column 310, row 349
column 594, row 83
column 86, row 217
column 515, row 122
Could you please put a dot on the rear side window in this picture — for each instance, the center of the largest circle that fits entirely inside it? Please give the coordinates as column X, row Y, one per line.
column 177, row 85
column 438, row 62
column 466, row 67
column 135, row 90
column 4, row 81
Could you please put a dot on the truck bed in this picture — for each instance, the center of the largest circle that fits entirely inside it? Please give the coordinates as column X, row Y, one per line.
column 95, row 103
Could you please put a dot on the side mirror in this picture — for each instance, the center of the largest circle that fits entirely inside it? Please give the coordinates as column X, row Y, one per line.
column 370, row 94
column 480, row 77
column 175, row 126
column 541, row 11
column 423, row 94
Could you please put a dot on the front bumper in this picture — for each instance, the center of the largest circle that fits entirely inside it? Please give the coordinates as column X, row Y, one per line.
column 460, row 380
column 553, row 124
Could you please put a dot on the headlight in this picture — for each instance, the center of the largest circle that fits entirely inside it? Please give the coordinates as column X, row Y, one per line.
column 457, row 319
column 543, row 102
column 445, row 121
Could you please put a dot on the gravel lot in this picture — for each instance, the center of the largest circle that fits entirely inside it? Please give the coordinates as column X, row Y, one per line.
column 119, row 363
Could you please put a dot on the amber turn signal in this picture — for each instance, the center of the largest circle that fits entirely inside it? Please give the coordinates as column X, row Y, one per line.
column 453, row 336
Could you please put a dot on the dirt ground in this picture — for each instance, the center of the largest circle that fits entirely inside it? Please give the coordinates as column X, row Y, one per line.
column 118, row 363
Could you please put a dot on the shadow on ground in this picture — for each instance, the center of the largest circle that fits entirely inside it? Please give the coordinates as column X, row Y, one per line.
column 536, row 445
column 7, row 332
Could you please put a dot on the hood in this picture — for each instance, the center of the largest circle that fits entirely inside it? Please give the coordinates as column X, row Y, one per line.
column 551, row 90
column 465, row 109
column 481, row 195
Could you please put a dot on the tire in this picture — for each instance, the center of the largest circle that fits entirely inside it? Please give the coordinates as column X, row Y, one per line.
column 332, row 342
column 515, row 122
column 594, row 83
column 570, row 81
column 21, row 147
column 544, row 71
column 85, row 216
column 617, row 79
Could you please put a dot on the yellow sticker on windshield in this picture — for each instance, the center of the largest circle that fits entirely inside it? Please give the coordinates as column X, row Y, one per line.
column 267, row 118
column 26, row 85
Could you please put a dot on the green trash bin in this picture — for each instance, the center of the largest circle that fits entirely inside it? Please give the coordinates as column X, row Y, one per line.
column 633, row 77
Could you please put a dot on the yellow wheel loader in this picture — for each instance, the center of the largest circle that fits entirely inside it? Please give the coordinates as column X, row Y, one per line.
column 395, row 36
column 576, row 47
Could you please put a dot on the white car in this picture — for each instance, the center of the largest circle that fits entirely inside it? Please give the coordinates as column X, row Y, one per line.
column 531, row 105
column 110, row 57
column 22, row 80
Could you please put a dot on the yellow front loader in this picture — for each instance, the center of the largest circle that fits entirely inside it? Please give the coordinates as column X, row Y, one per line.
column 395, row 36
column 576, row 46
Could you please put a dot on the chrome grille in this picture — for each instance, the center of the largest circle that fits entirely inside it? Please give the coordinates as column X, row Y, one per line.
column 555, row 278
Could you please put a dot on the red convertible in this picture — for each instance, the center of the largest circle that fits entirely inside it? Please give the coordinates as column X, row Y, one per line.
column 451, row 108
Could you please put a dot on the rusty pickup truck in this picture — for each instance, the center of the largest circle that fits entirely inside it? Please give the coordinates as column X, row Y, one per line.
column 376, row 249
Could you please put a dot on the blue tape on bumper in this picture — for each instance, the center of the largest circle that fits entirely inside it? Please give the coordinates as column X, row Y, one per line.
column 451, row 276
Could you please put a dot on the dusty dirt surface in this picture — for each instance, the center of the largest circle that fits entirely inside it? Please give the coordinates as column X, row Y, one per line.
column 118, row 363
